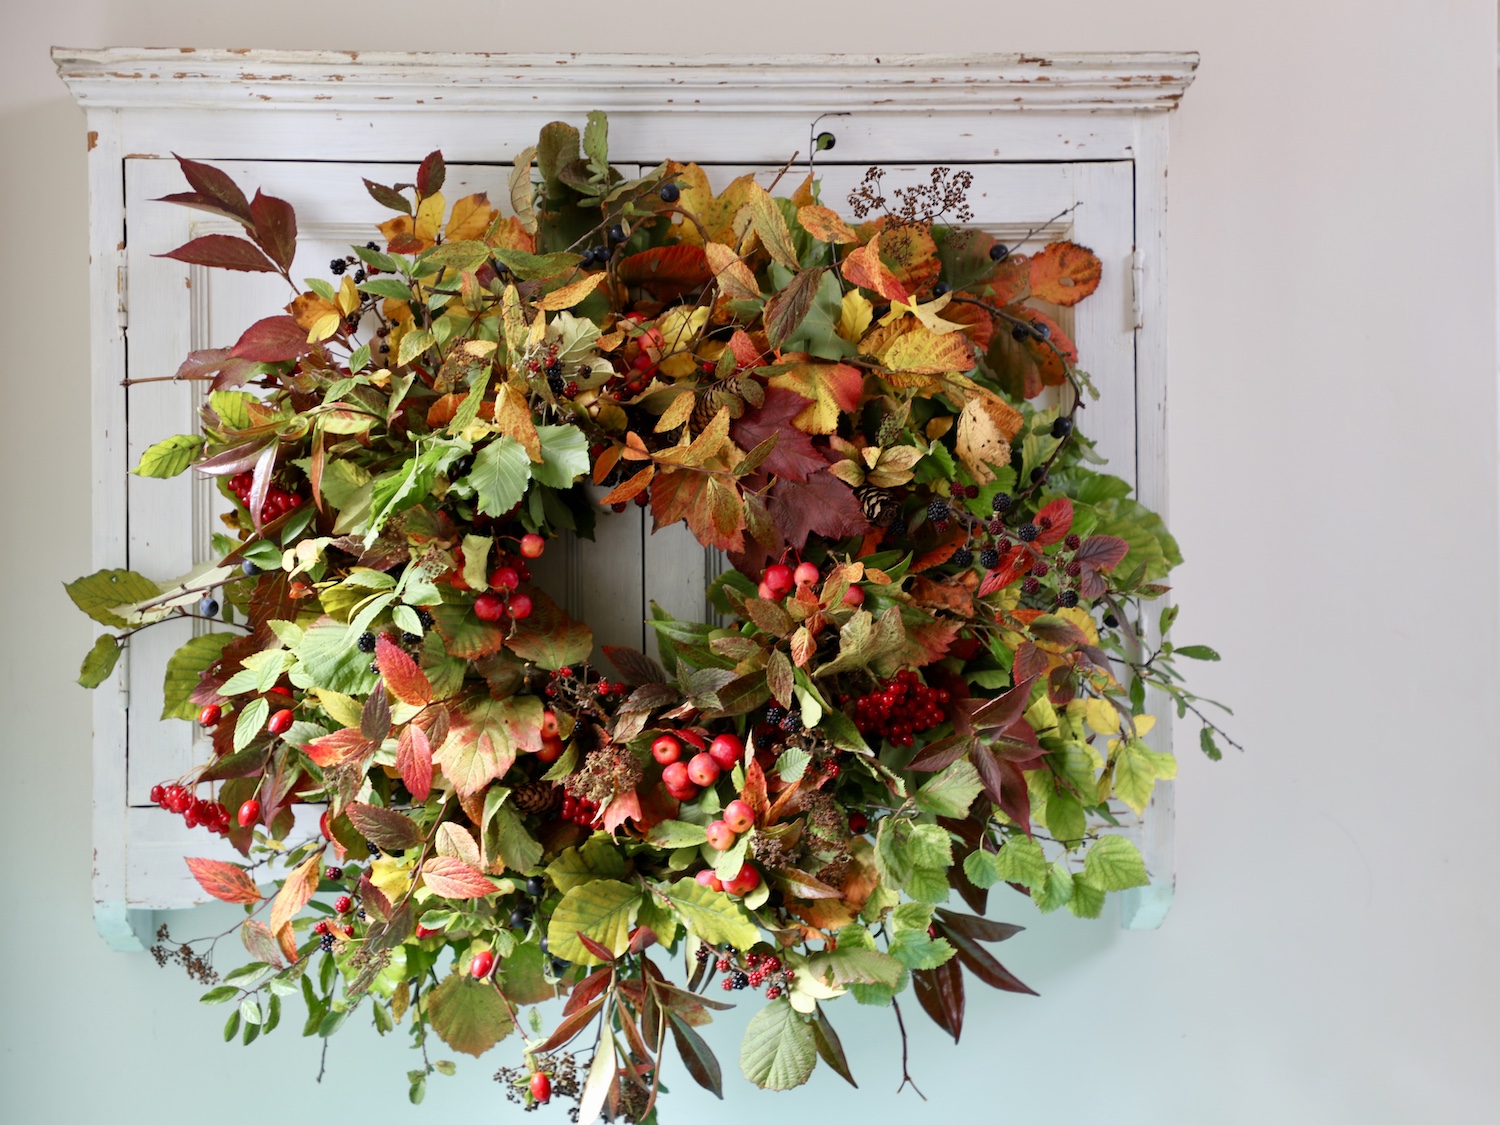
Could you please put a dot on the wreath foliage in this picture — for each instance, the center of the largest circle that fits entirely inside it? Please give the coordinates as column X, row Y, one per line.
column 931, row 684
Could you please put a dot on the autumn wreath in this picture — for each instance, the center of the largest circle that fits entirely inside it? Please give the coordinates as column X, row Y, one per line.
column 933, row 680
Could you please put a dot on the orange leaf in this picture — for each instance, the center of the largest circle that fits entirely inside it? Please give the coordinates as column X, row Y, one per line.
column 567, row 296
column 403, row 679
column 286, row 937
column 864, row 268
column 824, row 224
column 730, row 271
column 470, row 218
column 414, row 760
column 225, row 881
column 605, row 462
column 1064, row 273
column 667, row 271
column 912, row 256
column 630, row 489
column 453, row 878
column 296, row 892
column 511, row 235
column 401, row 235
column 834, row 389
column 709, row 504
column 1026, row 367
column 337, row 748
column 626, row 806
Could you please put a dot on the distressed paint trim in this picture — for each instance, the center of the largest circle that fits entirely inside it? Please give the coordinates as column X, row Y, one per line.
column 390, row 81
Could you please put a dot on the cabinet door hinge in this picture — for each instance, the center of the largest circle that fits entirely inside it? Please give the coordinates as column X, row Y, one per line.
column 1137, row 278
column 122, row 308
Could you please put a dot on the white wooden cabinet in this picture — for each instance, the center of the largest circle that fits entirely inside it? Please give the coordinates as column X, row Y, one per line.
column 1085, row 135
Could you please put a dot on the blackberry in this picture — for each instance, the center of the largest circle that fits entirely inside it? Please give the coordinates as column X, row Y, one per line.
column 897, row 527
column 359, row 277
column 1072, row 542
column 740, row 979
column 1027, row 532
column 535, row 887
column 995, row 526
column 426, row 618
column 942, row 288
column 937, row 511
column 989, row 558
column 670, row 193
column 963, row 557
column 1044, row 522
column 374, row 667
column 792, row 722
column 333, row 874
column 774, row 714
column 1068, row 599
column 554, row 368
column 371, row 246
column 337, row 266
column 1038, row 475
column 999, row 252
column 1062, row 427
column 366, row 642
column 362, row 916
column 373, row 849
column 325, row 943
column 1040, row 567
column 1030, row 586
column 1001, row 501
column 556, row 385
column 410, row 638
column 460, row 468
column 1111, row 621
column 703, row 954
column 1073, row 569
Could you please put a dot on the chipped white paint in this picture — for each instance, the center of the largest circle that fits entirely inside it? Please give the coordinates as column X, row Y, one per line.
column 1042, row 130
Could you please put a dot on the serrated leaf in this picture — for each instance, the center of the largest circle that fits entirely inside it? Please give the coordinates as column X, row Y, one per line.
column 453, row 878
column 250, row 722
column 296, row 892
column 779, row 1050
column 499, row 476
column 603, row 910
column 185, row 669
column 1021, row 861
column 469, row 1015
column 712, row 915
column 227, row 882
column 170, row 456
column 385, row 828
column 951, row 792
column 1114, row 863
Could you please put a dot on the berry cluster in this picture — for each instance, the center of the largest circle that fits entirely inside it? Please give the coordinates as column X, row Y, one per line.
column 580, row 811
column 195, row 811
column 901, row 707
column 750, row 971
column 278, row 500
column 684, row 779
column 779, row 580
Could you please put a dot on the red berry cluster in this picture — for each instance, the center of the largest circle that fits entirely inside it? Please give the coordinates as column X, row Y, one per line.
column 194, row 810
column 899, row 708
column 751, row 971
column 580, row 811
column 278, row 500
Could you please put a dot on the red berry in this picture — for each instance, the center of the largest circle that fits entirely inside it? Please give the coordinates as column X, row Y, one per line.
column 779, row 579
column 489, row 607
column 806, row 574
column 520, row 606
column 765, row 592
column 726, row 750
column 279, row 690
column 745, row 882
column 249, row 813
column 739, row 816
column 505, row 578
column 676, row 776
column 549, row 724
column 703, row 770
column 720, row 836
column 858, row 822
column 280, row 722
column 541, row 1087
column 343, row 904
column 324, row 827
column 552, row 749
column 333, row 874
column 209, row 716
column 424, row 932
column 158, row 795
column 532, row 546
column 666, row 750
column 854, row 595
column 707, row 878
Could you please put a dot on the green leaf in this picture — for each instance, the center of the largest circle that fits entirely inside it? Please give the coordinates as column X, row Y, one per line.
column 604, row 910
column 951, row 792
column 170, row 456
column 501, row 470
column 469, row 1015
column 100, row 661
column 979, row 866
column 1208, row 745
column 184, row 669
column 328, row 657
column 536, row 267
column 398, row 490
column 779, row 1050
column 1021, row 861
column 251, row 721
column 1137, row 767
column 711, row 914
column 104, row 590
column 1057, row 891
column 565, row 456
column 460, row 256
column 506, row 839
column 413, row 344
column 232, row 1027
column 1196, row 652
column 232, row 407
column 219, row 995
column 578, row 866
column 915, row 950
column 852, row 965
column 670, row 834
column 1087, row 900
column 1114, row 863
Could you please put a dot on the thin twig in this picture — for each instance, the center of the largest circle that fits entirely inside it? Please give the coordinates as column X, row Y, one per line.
column 906, row 1078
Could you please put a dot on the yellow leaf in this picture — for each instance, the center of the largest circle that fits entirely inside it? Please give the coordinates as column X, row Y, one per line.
column 342, row 709
column 680, row 410
column 429, row 218
column 921, row 351
column 1101, row 716
column 1144, row 724
column 679, row 327
column 735, row 279
column 825, row 225
column 770, row 227
column 855, row 313
column 569, row 295
column 470, row 219
column 513, row 419
column 308, row 309
column 985, row 429
column 928, row 313
column 1083, row 619
column 718, row 214
column 834, row 389
column 348, row 296
column 520, row 189
column 893, row 467
column 392, row 877
column 324, row 327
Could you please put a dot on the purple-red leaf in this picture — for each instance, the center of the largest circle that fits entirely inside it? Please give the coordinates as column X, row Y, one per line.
column 275, row 339
column 980, row 929
column 793, row 456
column 696, row 1056
column 201, row 202
column 275, row 228
column 431, row 174
column 600, row 951
column 209, row 182
column 978, row 961
column 940, row 991
column 941, row 754
column 222, row 251
column 822, row 505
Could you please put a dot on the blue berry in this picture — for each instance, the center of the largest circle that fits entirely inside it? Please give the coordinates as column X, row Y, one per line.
column 1062, row 427
column 617, row 233
column 249, row 569
column 999, row 252
column 208, row 607
column 535, row 887
column 670, row 193
column 1041, row 331
column 941, row 288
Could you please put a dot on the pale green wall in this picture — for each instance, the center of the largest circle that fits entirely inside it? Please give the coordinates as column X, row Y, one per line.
column 1332, row 430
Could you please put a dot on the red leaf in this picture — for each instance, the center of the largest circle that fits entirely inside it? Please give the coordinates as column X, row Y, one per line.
column 1060, row 512
column 1057, row 631
column 275, row 228
column 222, row 251
column 404, row 681
column 272, row 340
column 823, row 505
column 588, row 988
column 1102, row 552
column 571, row 1024
column 1003, row 710
column 296, row 892
column 1015, row 564
column 754, row 793
column 224, row 881
column 337, row 748
column 941, row 754
column 414, row 760
column 431, row 174
column 786, row 311
column 940, row 991
column 626, row 806
column 979, row 962
column 667, row 271
column 600, row 951
column 980, row 929
column 1030, row 660
column 210, row 183
column 793, row 457
column 453, row 878
column 202, row 203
